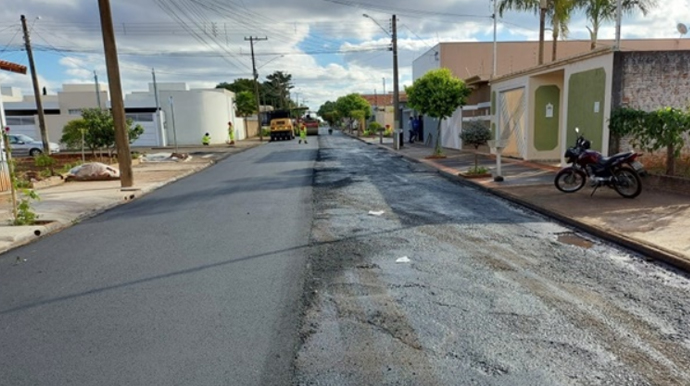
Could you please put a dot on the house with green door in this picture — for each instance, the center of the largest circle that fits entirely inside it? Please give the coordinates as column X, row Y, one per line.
column 535, row 111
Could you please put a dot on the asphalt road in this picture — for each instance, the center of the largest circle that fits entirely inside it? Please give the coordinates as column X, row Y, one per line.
column 492, row 294
column 197, row 283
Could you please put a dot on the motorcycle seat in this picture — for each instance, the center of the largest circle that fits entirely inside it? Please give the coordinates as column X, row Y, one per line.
column 608, row 160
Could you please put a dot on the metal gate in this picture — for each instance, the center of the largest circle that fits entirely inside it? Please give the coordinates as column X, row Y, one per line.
column 511, row 125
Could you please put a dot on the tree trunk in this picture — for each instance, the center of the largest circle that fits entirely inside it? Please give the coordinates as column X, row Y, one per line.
column 438, row 150
column 670, row 161
column 556, row 27
column 246, row 130
column 593, row 37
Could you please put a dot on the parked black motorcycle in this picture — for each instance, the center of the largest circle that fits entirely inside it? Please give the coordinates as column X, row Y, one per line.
column 620, row 172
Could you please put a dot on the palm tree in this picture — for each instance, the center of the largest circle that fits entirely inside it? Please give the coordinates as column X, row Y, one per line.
column 558, row 13
column 600, row 11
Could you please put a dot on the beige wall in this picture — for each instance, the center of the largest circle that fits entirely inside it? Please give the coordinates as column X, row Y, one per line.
column 467, row 59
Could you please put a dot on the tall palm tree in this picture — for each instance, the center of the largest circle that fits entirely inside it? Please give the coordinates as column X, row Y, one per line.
column 600, row 11
column 558, row 13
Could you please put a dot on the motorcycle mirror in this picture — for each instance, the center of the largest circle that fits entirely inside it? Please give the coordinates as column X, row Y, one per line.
column 577, row 130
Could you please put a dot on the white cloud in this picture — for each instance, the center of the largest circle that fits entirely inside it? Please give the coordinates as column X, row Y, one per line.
column 302, row 30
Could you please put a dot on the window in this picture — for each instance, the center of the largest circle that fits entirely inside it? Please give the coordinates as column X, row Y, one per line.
column 74, row 111
column 20, row 121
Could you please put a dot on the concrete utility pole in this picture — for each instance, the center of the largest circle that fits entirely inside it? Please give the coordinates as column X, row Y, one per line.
column 159, row 119
column 619, row 21
column 495, row 47
column 98, row 90
column 251, row 40
column 396, row 86
column 37, row 91
column 124, row 158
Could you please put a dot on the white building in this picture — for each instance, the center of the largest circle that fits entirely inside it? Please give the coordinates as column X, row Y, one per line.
column 184, row 117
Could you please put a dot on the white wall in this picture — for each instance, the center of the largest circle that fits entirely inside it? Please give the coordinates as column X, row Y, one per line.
column 197, row 112
column 428, row 61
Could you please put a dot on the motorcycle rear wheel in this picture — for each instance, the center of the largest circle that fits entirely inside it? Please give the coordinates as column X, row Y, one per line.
column 627, row 183
column 570, row 180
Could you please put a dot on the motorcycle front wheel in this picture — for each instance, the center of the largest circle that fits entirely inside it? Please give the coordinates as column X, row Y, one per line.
column 570, row 180
column 627, row 183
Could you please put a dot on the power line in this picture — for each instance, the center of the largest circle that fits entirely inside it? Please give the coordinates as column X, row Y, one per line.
column 11, row 40
column 404, row 11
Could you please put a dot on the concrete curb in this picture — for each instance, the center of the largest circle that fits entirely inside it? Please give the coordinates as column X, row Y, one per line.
column 637, row 246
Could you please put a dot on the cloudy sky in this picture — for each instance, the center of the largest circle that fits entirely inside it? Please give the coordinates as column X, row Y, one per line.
column 327, row 45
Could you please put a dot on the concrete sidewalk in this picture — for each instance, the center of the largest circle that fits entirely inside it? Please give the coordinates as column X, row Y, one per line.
column 68, row 203
column 655, row 224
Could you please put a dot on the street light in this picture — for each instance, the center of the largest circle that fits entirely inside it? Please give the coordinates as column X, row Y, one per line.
column 398, row 140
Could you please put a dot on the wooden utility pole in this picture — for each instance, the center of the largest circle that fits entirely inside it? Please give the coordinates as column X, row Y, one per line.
column 37, row 91
column 124, row 158
column 251, row 40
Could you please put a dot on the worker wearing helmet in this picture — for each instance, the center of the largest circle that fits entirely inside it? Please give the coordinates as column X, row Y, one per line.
column 231, row 134
column 302, row 133
column 206, row 139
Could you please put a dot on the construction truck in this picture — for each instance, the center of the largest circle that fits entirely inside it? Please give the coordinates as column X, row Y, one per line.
column 282, row 126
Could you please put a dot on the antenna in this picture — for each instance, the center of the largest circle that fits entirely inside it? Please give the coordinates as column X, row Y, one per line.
column 682, row 29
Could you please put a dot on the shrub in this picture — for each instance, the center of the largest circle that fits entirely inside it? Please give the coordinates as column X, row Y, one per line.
column 475, row 133
column 375, row 127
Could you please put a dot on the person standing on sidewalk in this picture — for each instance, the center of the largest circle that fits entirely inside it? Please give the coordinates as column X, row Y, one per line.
column 303, row 133
column 206, row 139
column 231, row 134
column 411, row 124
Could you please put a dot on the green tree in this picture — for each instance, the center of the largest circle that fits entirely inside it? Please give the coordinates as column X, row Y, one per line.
column 346, row 105
column 558, row 13
column 437, row 94
column 652, row 131
column 239, row 85
column 277, row 90
column 245, row 104
column 97, row 129
column 600, row 11
column 328, row 112
column 475, row 133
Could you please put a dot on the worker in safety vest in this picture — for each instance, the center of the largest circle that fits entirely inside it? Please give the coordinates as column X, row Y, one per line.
column 302, row 133
column 206, row 139
column 231, row 134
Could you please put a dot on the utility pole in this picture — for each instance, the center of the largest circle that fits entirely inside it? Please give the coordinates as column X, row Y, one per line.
column 37, row 91
column 495, row 59
column 251, row 40
column 384, row 88
column 619, row 20
column 124, row 158
column 543, row 5
column 396, row 95
column 98, row 91
column 159, row 120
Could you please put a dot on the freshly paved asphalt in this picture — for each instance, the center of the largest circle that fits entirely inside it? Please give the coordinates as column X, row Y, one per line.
column 197, row 283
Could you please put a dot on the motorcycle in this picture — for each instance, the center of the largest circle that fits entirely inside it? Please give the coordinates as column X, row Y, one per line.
column 620, row 172
column 330, row 130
